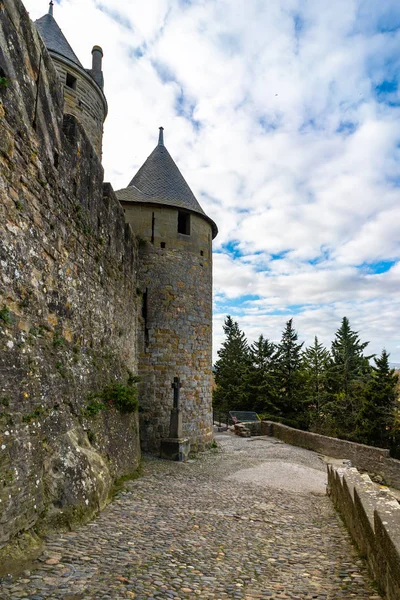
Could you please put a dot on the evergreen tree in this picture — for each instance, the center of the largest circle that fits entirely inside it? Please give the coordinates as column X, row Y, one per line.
column 349, row 363
column 261, row 379
column 377, row 412
column 316, row 361
column 289, row 376
column 231, row 369
column 348, row 375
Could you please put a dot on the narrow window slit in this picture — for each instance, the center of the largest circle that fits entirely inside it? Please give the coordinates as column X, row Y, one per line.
column 145, row 314
column 153, row 220
column 184, row 223
column 70, row 81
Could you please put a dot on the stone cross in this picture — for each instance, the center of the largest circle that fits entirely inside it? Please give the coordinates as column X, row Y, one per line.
column 175, row 429
column 176, row 386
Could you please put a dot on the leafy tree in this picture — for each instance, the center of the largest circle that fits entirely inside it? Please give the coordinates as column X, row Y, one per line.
column 377, row 412
column 231, row 369
column 290, row 377
column 316, row 360
column 261, row 378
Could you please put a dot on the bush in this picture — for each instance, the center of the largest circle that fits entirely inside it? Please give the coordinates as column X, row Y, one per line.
column 123, row 397
column 115, row 395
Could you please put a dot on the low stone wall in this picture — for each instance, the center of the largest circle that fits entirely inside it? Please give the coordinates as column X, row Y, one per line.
column 369, row 458
column 373, row 519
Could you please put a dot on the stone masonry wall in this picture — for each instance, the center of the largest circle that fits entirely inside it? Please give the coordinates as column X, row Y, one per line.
column 176, row 334
column 374, row 460
column 68, row 302
column 372, row 516
column 175, row 342
column 86, row 102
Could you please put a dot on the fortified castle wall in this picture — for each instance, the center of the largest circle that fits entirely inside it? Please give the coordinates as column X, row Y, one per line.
column 68, row 301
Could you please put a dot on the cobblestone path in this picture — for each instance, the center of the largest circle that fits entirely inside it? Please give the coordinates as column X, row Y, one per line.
column 214, row 528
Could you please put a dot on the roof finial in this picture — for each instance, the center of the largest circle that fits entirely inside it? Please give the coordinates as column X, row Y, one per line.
column 51, row 7
column 161, row 137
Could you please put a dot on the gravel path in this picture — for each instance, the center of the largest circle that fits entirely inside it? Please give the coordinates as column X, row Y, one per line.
column 249, row 520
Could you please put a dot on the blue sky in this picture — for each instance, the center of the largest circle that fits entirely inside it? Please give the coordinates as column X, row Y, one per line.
column 284, row 118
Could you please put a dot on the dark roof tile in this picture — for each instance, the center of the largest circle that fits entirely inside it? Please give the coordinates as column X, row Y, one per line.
column 54, row 38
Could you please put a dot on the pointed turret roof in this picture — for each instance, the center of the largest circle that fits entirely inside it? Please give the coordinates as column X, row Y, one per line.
column 159, row 181
column 54, row 38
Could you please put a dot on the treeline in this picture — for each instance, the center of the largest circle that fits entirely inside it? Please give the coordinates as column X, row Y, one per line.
column 340, row 392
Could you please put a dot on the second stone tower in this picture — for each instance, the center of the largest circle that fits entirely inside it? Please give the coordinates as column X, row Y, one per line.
column 175, row 276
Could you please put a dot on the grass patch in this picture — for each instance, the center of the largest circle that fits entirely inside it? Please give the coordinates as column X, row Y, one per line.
column 120, row 484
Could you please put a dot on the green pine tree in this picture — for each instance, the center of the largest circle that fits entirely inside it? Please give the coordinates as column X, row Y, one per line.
column 348, row 375
column 231, row 369
column 261, row 378
column 316, row 360
column 376, row 416
column 290, row 377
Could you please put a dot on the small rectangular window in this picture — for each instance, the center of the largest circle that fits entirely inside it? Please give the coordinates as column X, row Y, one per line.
column 70, row 81
column 184, row 223
column 162, row 245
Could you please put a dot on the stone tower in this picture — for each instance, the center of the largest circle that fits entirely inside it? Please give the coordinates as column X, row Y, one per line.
column 84, row 98
column 175, row 276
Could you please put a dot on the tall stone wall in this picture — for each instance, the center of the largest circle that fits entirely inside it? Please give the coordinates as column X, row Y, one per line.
column 68, row 301
column 175, row 278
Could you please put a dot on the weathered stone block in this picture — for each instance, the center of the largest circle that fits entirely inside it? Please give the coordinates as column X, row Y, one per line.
column 175, row 449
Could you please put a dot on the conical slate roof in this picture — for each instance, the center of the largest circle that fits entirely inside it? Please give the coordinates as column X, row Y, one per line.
column 54, row 38
column 159, row 181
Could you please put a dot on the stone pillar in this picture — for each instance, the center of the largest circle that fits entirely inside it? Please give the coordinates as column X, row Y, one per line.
column 175, row 447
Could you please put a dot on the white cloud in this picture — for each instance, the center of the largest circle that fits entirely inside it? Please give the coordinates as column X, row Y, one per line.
column 271, row 112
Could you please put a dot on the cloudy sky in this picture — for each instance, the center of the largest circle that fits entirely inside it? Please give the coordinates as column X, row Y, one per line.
column 284, row 118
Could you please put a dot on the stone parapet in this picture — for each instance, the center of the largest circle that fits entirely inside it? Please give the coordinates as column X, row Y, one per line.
column 372, row 459
column 372, row 516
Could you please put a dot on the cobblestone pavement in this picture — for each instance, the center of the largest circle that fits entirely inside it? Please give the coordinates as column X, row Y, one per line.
column 218, row 527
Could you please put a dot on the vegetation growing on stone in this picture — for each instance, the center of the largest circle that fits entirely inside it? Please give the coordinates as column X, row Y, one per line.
column 5, row 315
column 4, row 401
column 122, row 397
column 58, row 340
column 32, row 416
column 335, row 392
column 61, row 368
column 94, row 407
